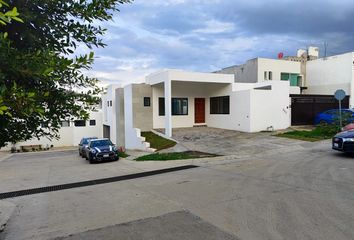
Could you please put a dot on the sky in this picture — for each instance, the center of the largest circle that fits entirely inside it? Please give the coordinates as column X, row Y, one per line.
column 208, row 35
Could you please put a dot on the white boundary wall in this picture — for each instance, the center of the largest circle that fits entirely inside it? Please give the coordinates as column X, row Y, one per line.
column 69, row 136
column 326, row 75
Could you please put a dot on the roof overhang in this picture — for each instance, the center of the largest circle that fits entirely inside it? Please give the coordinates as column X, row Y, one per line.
column 184, row 76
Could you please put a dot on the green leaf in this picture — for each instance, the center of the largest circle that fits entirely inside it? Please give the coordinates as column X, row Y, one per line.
column 5, row 34
column 17, row 19
column 3, row 108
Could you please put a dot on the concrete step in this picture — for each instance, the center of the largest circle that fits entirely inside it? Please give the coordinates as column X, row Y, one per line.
column 146, row 144
column 152, row 150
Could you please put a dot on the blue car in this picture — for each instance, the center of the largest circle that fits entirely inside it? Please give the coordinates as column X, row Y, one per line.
column 330, row 116
column 99, row 150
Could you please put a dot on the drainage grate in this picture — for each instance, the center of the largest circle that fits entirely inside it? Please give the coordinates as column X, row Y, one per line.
column 91, row 182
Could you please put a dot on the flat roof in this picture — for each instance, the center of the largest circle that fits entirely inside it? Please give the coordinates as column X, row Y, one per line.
column 186, row 76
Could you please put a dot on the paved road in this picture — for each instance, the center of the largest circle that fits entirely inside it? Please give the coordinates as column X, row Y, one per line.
column 307, row 194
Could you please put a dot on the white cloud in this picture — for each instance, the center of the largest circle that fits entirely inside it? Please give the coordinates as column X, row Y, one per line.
column 214, row 26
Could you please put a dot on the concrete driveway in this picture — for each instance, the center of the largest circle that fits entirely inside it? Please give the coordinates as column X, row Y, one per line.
column 227, row 142
column 307, row 193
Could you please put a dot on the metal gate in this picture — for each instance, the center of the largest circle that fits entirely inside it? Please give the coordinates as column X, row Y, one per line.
column 304, row 108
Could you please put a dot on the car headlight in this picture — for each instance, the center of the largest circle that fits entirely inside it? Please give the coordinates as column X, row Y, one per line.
column 348, row 139
column 93, row 151
column 114, row 149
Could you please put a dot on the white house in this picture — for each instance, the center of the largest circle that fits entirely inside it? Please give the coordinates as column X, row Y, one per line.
column 326, row 75
column 251, row 97
column 267, row 69
column 175, row 99
column 71, row 132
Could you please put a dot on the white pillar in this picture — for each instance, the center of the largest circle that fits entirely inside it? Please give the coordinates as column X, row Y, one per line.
column 168, row 110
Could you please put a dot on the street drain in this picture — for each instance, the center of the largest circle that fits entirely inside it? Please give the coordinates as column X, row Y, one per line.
column 91, row 182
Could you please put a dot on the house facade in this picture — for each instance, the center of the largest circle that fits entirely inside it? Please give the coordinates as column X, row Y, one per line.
column 261, row 94
column 178, row 99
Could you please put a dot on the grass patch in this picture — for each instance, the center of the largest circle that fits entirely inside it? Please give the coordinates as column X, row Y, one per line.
column 317, row 134
column 123, row 155
column 174, row 156
column 157, row 141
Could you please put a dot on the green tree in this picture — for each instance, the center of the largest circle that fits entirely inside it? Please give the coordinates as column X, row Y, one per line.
column 41, row 78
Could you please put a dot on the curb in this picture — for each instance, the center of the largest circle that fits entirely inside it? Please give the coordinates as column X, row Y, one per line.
column 6, row 211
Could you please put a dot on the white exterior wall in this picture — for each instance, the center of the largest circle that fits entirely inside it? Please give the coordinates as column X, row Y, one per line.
column 326, row 75
column 109, row 112
column 69, row 136
column 179, row 75
column 276, row 66
column 270, row 108
column 239, row 117
column 132, row 135
column 255, row 110
column 250, row 110
column 190, row 90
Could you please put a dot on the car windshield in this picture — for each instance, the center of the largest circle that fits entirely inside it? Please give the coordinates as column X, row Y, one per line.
column 100, row 143
column 85, row 141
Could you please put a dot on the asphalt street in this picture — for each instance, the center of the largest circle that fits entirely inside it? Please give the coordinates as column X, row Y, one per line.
column 303, row 193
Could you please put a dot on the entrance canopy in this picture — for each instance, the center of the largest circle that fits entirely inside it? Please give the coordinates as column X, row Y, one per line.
column 168, row 76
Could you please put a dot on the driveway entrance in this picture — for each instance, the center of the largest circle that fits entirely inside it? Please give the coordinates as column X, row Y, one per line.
column 228, row 142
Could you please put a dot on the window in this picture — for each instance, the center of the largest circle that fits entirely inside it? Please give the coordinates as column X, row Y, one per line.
column 146, row 102
column 110, row 103
column 92, row 122
column 270, row 75
column 284, row 76
column 80, row 123
column 294, row 78
column 265, row 75
column 65, row 124
column 107, row 103
column 161, row 106
column 179, row 106
column 220, row 105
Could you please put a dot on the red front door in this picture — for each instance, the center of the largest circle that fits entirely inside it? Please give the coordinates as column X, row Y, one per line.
column 199, row 110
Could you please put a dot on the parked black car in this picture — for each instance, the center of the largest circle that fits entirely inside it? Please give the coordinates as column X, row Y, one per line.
column 344, row 141
column 99, row 150
column 83, row 144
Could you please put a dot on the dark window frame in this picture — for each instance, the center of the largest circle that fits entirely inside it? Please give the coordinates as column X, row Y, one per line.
column 82, row 121
column 173, row 100
column 147, row 101
column 92, row 122
column 220, row 105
